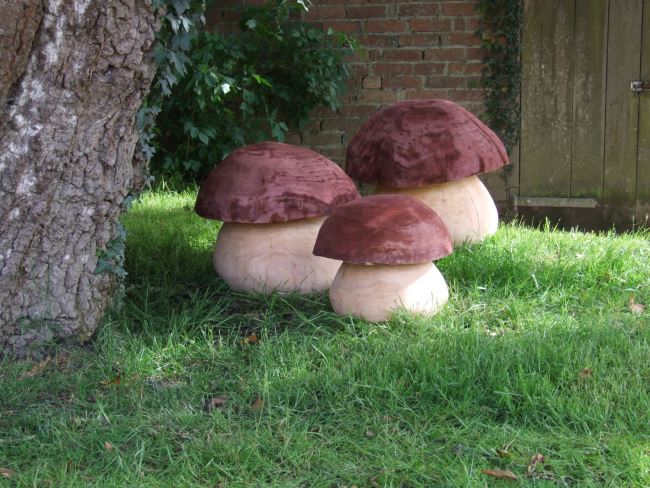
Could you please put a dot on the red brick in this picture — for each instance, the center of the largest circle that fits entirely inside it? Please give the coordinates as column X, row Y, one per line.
column 385, row 26
column 378, row 96
column 461, row 39
column 345, row 26
column 426, row 94
column 325, row 12
column 323, row 113
column 466, row 95
column 335, row 153
column 393, row 82
column 366, row 12
column 372, row 82
column 465, row 68
column 358, row 56
column 474, row 53
column 419, row 40
column 445, row 54
column 392, row 68
column 293, row 138
column 429, row 68
column 438, row 81
column 430, row 25
column 358, row 110
column 374, row 54
column 402, row 55
column 469, row 24
column 359, row 70
column 321, row 138
column 464, row 8
column 378, row 40
column 343, row 124
column 418, row 9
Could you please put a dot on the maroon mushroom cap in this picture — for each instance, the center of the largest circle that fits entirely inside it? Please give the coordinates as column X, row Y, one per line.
column 421, row 142
column 383, row 229
column 273, row 182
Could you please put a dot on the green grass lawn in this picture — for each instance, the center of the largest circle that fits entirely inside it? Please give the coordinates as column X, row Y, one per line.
column 537, row 352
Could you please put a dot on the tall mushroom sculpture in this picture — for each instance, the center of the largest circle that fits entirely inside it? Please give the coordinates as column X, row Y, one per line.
column 273, row 198
column 386, row 243
column 432, row 150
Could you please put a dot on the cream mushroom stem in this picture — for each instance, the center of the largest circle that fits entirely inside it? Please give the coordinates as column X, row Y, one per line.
column 264, row 258
column 374, row 291
column 465, row 206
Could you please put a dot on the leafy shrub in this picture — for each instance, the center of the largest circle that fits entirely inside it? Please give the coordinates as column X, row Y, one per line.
column 247, row 87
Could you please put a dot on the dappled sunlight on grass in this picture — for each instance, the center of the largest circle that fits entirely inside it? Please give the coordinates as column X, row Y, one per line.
column 537, row 351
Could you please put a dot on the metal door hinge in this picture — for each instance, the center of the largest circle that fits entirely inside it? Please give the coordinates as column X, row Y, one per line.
column 639, row 86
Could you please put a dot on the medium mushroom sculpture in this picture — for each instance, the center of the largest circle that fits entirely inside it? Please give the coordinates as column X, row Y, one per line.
column 273, row 198
column 386, row 243
column 432, row 150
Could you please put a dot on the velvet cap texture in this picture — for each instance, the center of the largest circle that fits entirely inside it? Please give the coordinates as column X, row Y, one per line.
column 272, row 182
column 383, row 229
column 422, row 142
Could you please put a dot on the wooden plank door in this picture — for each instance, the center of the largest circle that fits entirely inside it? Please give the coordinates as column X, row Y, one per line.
column 622, row 112
column 547, row 97
column 643, row 157
column 584, row 134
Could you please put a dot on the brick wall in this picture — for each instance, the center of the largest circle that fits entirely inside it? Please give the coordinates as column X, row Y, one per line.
column 411, row 49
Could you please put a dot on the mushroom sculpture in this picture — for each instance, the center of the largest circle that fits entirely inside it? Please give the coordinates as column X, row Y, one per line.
column 386, row 243
column 273, row 198
column 432, row 150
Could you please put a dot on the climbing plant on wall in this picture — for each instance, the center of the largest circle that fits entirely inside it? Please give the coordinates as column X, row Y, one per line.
column 247, row 87
column 501, row 77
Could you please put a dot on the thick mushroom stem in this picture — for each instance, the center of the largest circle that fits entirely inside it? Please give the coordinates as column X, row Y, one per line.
column 465, row 206
column 273, row 257
column 374, row 292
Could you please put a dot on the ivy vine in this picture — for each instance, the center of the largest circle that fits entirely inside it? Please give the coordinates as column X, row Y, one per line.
column 501, row 76
column 253, row 85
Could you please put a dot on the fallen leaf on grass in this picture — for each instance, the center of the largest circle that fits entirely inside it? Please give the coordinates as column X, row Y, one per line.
column 215, row 402
column 500, row 474
column 537, row 458
column 251, row 339
column 37, row 369
column 584, row 373
column 108, row 446
column 542, row 474
column 636, row 308
column 115, row 381
column 7, row 473
column 258, row 404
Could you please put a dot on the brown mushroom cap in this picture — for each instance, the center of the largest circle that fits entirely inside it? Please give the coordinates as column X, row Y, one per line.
column 383, row 229
column 271, row 182
column 422, row 142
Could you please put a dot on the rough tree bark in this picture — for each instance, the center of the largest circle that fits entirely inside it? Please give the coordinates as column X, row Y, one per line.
column 73, row 74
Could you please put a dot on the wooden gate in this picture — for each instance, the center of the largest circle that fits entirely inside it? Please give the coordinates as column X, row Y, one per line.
column 585, row 134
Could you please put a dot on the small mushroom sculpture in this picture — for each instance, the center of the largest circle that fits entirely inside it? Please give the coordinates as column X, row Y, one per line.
column 273, row 198
column 386, row 243
column 432, row 150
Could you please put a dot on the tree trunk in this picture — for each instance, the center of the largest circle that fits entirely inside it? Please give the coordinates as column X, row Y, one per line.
column 73, row 74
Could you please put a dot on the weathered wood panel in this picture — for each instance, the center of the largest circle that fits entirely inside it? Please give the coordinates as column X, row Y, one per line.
column 622, row 112
column 590, row 69
column 547, row 97
column 589, row 82
column 643, row 157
